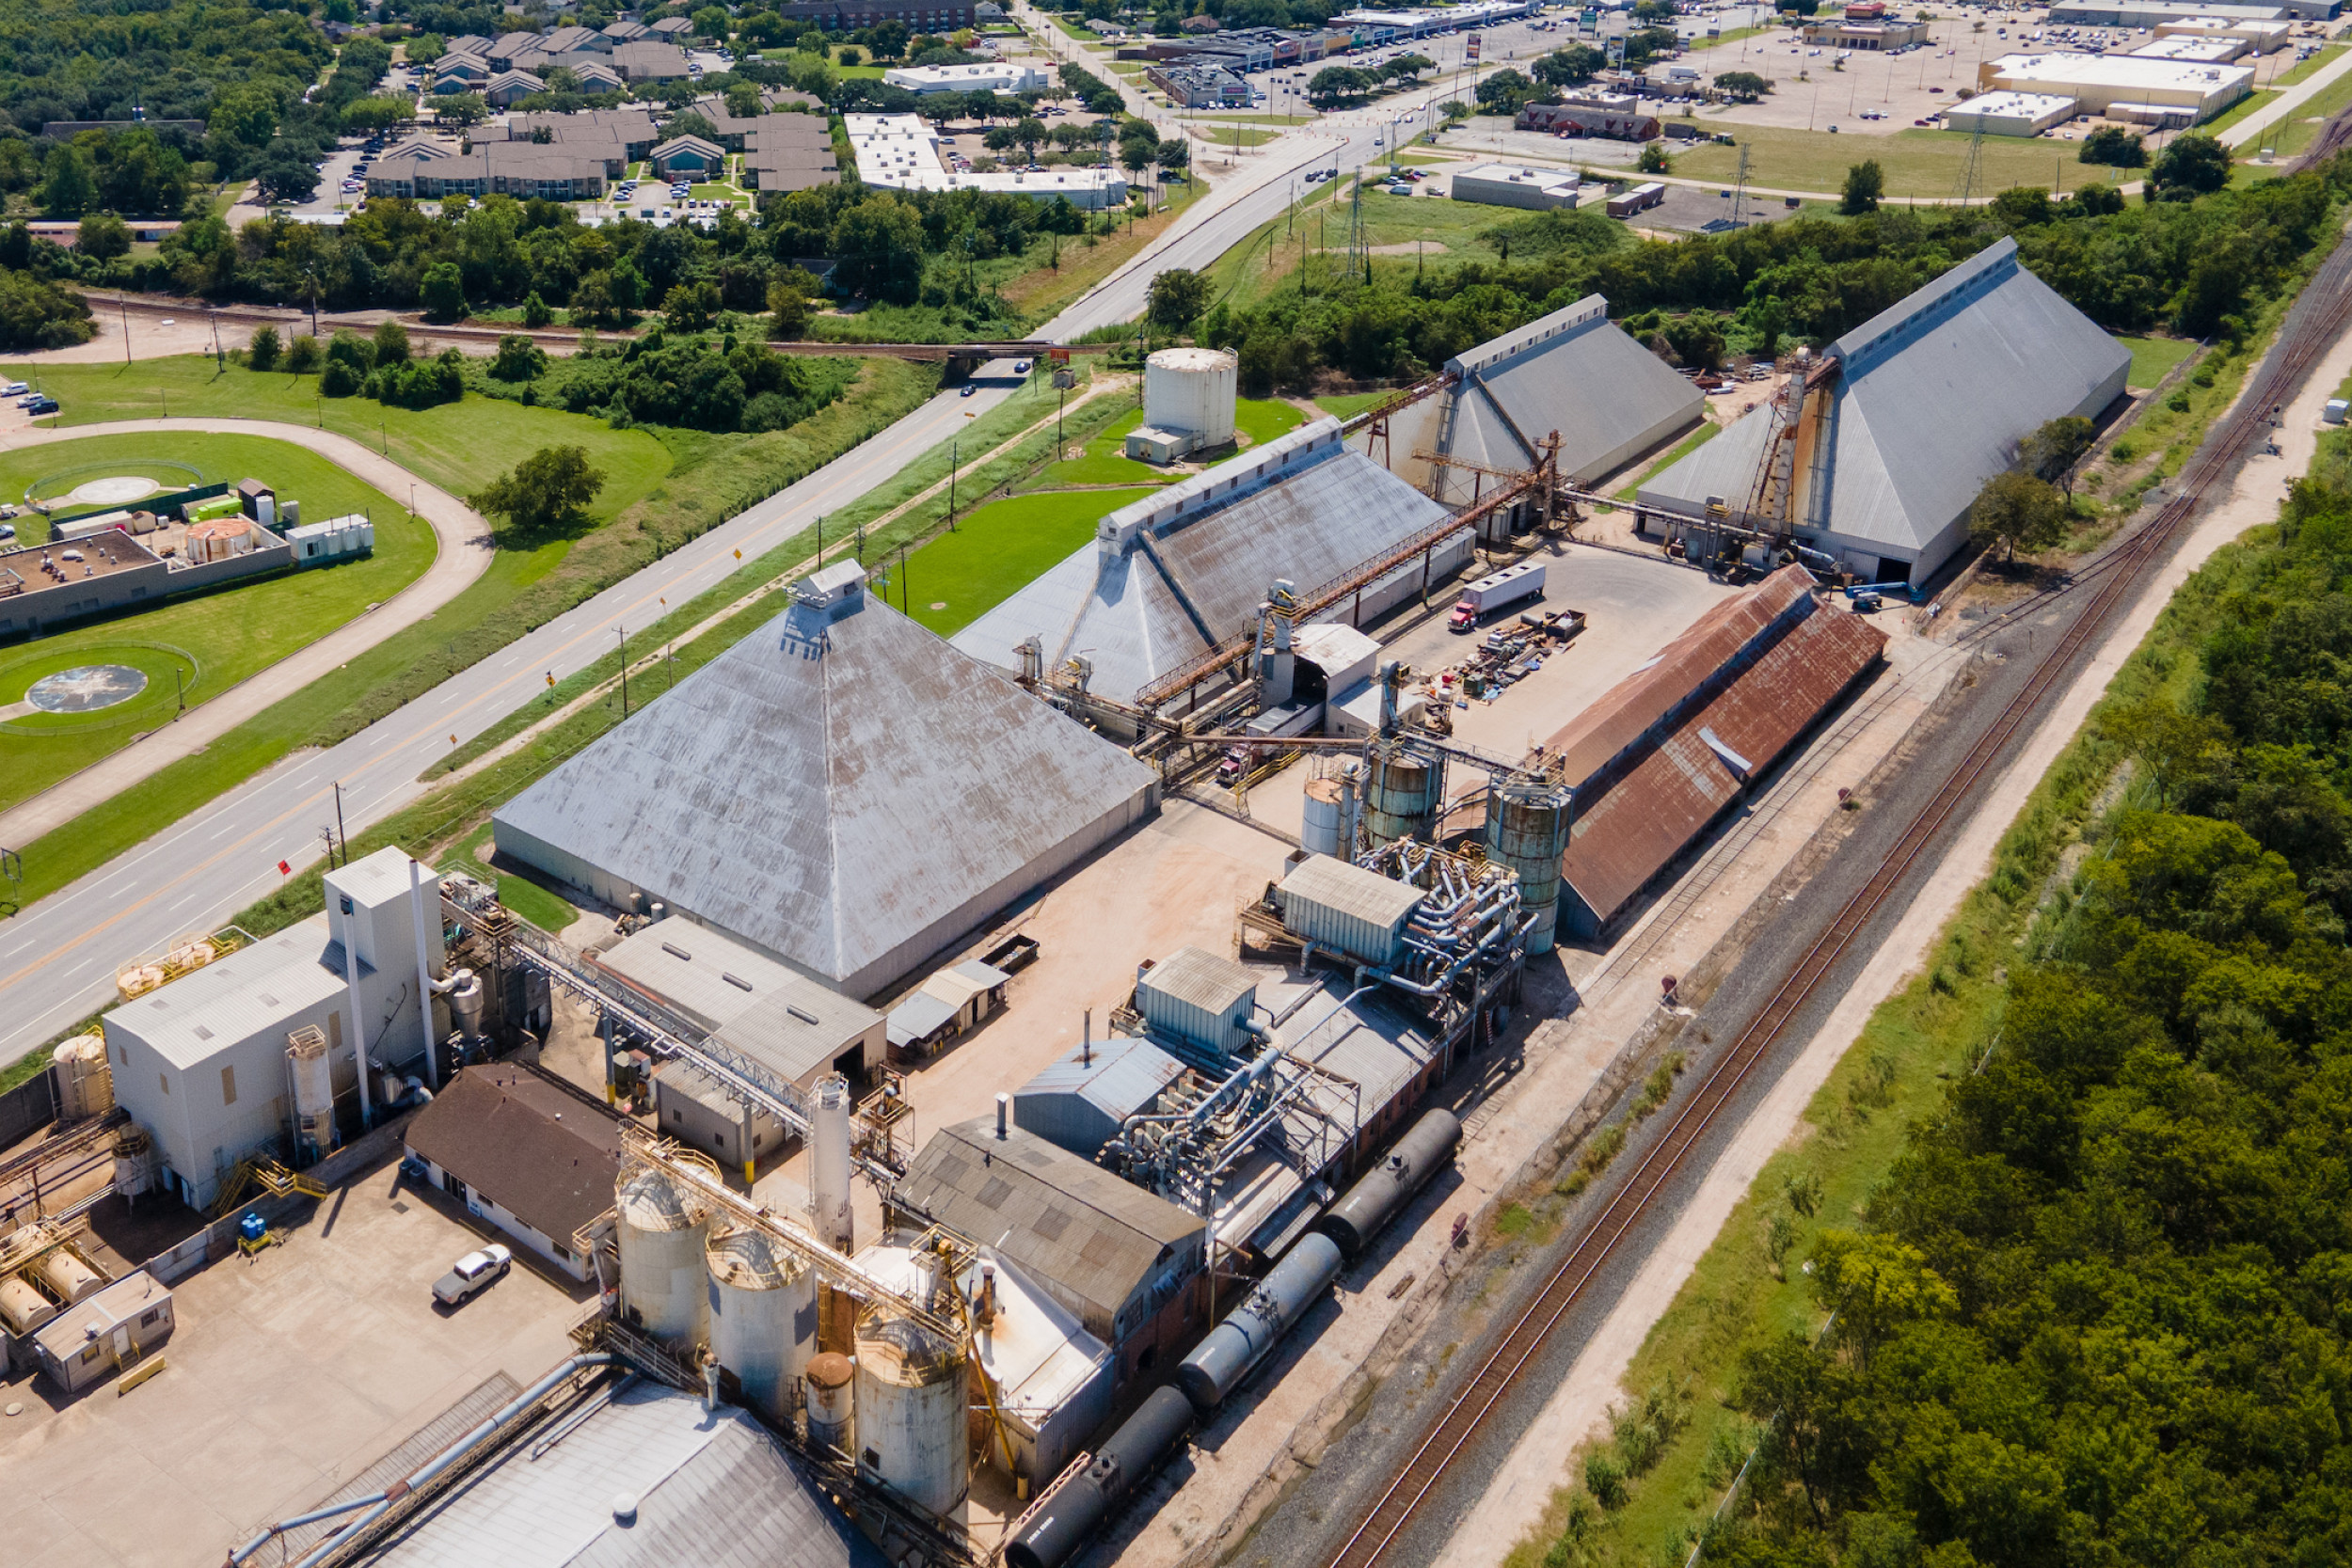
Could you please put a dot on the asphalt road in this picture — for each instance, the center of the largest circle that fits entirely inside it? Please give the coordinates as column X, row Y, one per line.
column 58, row 957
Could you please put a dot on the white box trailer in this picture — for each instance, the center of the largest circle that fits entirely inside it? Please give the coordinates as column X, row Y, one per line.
column 1510, row 586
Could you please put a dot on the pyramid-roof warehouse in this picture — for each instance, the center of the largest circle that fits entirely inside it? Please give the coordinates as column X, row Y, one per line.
column 840, row 790
column 1931, row 397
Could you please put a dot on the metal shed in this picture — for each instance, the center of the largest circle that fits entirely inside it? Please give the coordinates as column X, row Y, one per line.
column 112, row 1328
column 1343, row 907
column 1197, row 996
column 1079, row 1101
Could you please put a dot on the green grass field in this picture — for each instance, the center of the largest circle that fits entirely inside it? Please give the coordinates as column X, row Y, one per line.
column 1925, row 163
column 2152, row 357
column 215, row 639
column 2237, row 112
column 1346, row 405
column 2288, row 139
column 997, row 550
column 2308, row 68
column 520, row 893
column 1106, row 462
column 459, row 445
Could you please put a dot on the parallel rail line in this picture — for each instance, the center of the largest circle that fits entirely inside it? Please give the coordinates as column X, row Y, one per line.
column 2314, row 321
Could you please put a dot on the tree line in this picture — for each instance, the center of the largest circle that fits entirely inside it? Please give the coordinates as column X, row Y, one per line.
column 2099, row 1313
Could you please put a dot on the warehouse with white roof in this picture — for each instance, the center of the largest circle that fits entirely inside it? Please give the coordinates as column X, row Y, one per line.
column 1931, row 399
column 840, row 791
column 2123, row 87
column 1574, row 371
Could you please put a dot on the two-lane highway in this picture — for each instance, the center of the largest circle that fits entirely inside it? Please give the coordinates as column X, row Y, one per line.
column 59, row 957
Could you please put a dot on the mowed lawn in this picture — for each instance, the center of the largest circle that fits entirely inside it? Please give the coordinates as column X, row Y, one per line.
column 1106, row 462
column 996, row 552
column 459, row 446
column 216, row 638
column 1925, row 163
column 2153, row 358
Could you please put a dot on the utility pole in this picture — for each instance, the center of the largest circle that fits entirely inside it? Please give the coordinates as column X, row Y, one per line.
column 953, row 449
column 126, row 328
column 340, row 832
column 624, row 633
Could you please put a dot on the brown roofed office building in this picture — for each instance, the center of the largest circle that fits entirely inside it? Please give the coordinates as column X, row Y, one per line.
column 526, row 1152
column 1128, row 1263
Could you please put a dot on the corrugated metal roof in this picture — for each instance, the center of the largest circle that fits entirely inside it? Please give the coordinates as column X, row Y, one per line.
column 786, row 1021
column 1120, row 1075
column 832, row 787
column 1585, row 377
column 233, row 999
column 1331, row 511
column 1651, row 812
column 1216, row 984
column 1083, row 1234
column 134, row 1293
column 1335, row 884
column 1710, row 651
column 712, row 1489
column 1936, row 393
column 918, row 1016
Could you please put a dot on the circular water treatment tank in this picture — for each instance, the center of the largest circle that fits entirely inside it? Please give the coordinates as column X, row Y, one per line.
column 1191, row 390
column 763, row 1316
column 911, row 1431
column 663, row 1277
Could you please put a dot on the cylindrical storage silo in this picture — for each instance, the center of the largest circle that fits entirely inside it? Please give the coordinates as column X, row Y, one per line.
column 1191, row 391
column 1327, row 808
column 826, row 1385
column 1220, row 1361
column 313, row 1093
column 1401, row 794
column 829, row 1165
column 661, row 1232
column 23, row 1308
column 763, row 1316
column 912, row 1435
column 1527, row 832
column 86, row 1085
column 67, row 1277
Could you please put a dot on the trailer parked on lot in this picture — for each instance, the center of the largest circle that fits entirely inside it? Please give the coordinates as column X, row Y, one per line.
column 1497, row 592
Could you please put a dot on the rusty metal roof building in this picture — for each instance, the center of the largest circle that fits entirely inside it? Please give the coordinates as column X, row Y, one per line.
column 840, row 791
column 1574, row 371
column 1172, row 575
column 1931, row 398
column 1715, row 649
column 1667, row 788
column 1097, row 1244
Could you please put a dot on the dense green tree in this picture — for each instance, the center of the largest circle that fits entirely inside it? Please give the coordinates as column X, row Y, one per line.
column 547, row 493
column 2016, row 510
column 1177, row 298
column 1570, row 66
column 39, row 315
column 2115, row 147
column 878, row 246
column 1742, row 86
column 2193, row 166
column 1865, row 186
column 2055, row 446
column 262, row 351
column 443, row 292
column 102, row 237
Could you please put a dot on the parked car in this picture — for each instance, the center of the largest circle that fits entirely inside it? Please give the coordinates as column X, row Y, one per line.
column 14, row 389
column 8, row 531
column 43, row 405
column 471, row 1274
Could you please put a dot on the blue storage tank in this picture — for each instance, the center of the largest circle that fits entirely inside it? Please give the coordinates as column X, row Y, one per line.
column 1079, row 1103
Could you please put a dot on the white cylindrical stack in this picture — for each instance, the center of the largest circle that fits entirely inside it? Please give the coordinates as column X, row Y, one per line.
column 829, row 1165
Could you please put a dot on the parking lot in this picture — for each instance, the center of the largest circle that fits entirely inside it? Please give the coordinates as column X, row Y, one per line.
column 286, row 1376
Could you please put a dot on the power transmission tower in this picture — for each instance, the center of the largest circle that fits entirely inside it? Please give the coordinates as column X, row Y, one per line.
column 1739, row 191
column 1970, row 166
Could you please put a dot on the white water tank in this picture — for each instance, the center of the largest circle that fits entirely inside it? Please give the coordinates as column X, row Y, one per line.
column 86, row 1085
column 912, row 1434
column 1190, row 391
column 829, row 1165
column 314, row 1091
column 67, row 1277
column 661, row 1231
column 1319, row 830
column 23, row 1308
column 763, row 1316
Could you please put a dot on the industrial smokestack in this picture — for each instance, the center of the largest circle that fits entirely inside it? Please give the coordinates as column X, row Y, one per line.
column 1004, row 1107
column 829, row 1166
column 1085, row 1040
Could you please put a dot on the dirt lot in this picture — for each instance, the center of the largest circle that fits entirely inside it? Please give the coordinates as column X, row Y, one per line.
column 286, row 1375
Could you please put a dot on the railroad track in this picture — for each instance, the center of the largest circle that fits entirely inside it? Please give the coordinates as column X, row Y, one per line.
column 2314, row 321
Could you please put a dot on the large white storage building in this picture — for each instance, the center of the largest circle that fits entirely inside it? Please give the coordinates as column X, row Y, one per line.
column 1931, row 397
column 840, row 791
column 201, row 1063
